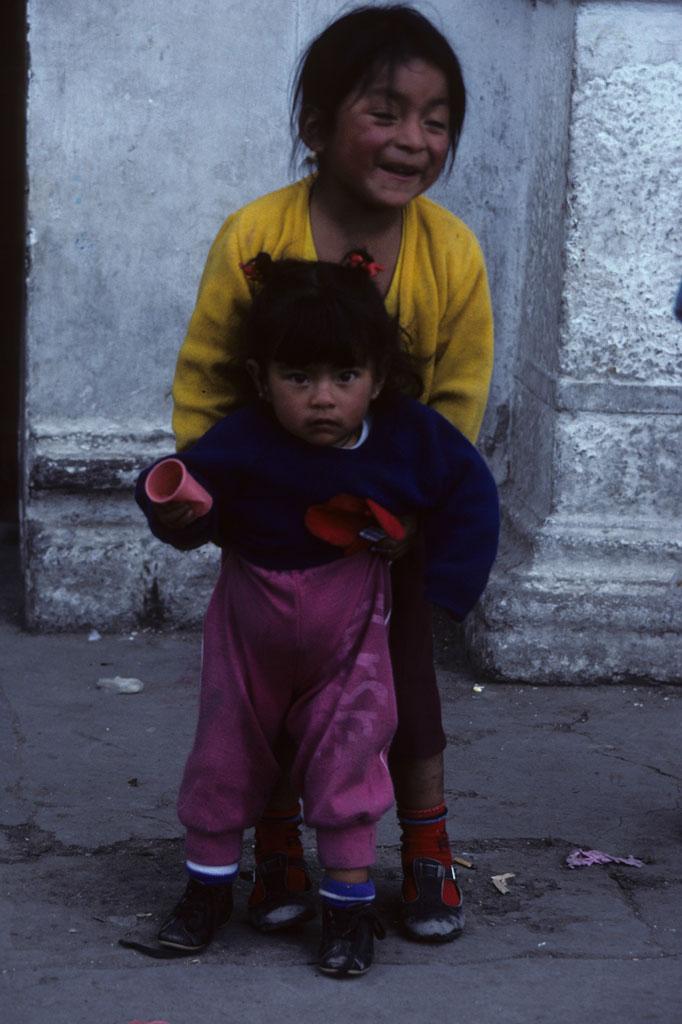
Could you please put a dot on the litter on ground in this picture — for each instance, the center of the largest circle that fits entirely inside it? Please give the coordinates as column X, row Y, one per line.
column 586, row 858
column 500, row 881
column 117, row 684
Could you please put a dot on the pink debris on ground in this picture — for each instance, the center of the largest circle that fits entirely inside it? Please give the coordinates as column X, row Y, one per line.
column 586, row 858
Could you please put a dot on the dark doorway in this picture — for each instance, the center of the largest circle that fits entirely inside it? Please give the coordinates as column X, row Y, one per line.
column 13, row 68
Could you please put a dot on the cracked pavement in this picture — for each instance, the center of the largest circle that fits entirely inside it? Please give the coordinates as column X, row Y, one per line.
column 90, row 851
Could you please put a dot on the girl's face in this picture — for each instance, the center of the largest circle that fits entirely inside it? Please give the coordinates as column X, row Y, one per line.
column 320, row 404
column 388, row 144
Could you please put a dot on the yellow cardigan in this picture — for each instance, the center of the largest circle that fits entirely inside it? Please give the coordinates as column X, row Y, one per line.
column 439, row 292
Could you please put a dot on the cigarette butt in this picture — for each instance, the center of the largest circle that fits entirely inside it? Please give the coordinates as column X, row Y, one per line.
column 463, row 863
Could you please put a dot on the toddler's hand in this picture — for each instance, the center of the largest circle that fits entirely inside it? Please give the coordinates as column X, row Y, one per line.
column 175, row 514
column 393, row 549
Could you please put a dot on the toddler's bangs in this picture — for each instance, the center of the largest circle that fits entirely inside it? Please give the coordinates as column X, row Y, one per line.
column 320, row 335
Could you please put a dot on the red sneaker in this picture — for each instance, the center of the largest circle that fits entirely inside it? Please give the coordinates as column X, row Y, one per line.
column 431, row 907
column 282, row 893
column 281, row 896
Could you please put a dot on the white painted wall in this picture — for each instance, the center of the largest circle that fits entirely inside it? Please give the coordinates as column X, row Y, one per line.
column 148, row 123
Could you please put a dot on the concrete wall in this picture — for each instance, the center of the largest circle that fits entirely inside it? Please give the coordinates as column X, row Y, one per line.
column 147, row 124
column 591, row 590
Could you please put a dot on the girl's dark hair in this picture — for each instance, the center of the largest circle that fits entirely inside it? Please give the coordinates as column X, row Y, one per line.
column 305, row 313
column 349, row 54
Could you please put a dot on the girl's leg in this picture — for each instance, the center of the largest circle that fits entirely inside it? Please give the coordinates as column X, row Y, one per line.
column 245, row 692
column 342, row 725
column 246, row 688
column 349, row 924
column 416, row 757
column 343, row 718
column 419, row 737
column 432, row 901
column 338, row 602
column 281, row 896
column 348, row 876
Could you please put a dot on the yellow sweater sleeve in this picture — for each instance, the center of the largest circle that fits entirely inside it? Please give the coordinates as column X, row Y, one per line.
column 202, row 390
column 464, row 351
column 444, row 304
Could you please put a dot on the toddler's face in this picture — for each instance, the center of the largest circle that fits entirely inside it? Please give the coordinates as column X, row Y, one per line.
column 321, row 404
column 389, row 144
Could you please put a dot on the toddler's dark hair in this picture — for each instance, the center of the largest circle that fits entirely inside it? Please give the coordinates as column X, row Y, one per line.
column 349, row 54
column 306, row 312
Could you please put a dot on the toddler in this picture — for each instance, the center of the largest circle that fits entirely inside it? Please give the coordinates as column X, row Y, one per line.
column 297, row 485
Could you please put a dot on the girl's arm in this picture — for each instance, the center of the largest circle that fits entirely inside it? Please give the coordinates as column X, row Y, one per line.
column 203, row 390
column 461, row 528
column 184, row 531
column 464, row 352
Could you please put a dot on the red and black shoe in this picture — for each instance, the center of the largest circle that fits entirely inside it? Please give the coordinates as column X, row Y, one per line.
column 282, row 893
column 431, row 906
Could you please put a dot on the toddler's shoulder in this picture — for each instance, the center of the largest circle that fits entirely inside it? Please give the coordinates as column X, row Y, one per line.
column 248, row 421
column 412, row 419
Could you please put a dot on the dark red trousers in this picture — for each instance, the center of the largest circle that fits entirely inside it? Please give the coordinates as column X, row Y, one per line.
column 420, row 728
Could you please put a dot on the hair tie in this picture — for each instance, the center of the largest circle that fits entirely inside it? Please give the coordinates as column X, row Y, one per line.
column 249, row 269
column 358, row 259
column 256, row 270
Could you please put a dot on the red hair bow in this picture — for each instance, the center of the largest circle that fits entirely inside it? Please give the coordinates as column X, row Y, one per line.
column 372, row 268
column 250, row 270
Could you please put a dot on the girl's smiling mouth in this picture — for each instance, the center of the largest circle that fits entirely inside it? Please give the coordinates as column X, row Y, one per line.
column 400, row 170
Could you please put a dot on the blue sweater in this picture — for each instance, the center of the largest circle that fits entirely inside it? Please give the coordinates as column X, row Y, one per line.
column 263, row 480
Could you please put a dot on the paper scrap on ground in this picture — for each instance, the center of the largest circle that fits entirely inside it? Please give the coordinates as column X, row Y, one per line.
column 118, row 684
column 585, row 859
column 93, row 635
column 500, row 881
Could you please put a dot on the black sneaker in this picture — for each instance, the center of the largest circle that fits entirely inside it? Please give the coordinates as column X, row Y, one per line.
column 427, row 917
column 347, row 944
column 281, row 896
column 202, row 910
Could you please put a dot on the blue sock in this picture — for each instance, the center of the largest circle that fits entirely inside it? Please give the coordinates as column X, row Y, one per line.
column 343, row 894
column 212, row 875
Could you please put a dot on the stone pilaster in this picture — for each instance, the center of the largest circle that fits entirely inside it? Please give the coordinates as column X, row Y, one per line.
column 588, row 587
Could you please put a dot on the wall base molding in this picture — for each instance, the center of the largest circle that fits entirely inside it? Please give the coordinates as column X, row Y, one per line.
column 587, row 604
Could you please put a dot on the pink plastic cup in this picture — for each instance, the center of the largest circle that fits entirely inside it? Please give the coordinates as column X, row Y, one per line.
column 170, row 481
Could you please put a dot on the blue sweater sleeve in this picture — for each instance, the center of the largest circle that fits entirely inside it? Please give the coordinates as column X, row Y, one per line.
column 210, row 461
column 462, row 526
column 201, row 531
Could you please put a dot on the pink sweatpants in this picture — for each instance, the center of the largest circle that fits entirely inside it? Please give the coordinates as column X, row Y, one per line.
column 305, row 652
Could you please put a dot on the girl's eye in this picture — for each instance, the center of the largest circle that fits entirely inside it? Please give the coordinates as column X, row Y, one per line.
column 346, row 376
column 385, row 116
column 297, row 378
column 435, row 125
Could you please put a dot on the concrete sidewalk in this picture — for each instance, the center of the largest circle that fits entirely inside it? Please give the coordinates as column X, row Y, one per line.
column 91, row 851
